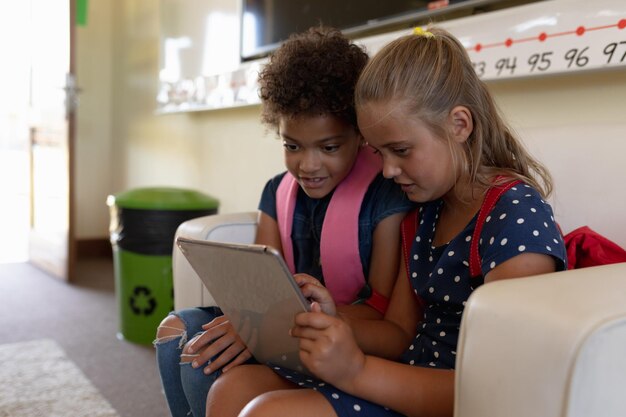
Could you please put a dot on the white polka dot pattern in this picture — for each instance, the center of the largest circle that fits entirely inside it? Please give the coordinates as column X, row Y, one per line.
column 442, row 275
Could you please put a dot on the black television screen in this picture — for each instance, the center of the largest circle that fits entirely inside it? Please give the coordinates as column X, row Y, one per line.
column 266, row 23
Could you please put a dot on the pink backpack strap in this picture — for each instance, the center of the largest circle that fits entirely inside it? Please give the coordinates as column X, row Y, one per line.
column 339, row 246
column 491, row 198
column 285, row 207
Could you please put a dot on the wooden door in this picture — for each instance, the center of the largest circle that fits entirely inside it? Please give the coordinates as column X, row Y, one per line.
column 51, row 238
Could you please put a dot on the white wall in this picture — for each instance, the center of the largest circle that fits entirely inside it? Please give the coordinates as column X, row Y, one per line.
column 123, row 144
column 575, row 124
column 227, row 154
column 222, row 153
column 94, row 125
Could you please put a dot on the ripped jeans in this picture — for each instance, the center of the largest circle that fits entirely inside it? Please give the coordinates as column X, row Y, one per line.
column 185, row 388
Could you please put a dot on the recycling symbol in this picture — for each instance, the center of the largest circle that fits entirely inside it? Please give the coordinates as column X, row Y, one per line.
column 142, row 301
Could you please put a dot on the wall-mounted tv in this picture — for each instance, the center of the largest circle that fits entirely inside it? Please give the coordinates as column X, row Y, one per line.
column 266, row 23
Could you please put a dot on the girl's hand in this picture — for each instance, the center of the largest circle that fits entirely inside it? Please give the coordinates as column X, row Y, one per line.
column 328, row 348
column 217, row 346
column 314, row 291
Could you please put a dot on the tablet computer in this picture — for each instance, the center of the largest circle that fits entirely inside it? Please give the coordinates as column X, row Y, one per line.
column 252, row 285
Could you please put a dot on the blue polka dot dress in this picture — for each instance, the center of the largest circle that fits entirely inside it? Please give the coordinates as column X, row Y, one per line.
column 520, row 222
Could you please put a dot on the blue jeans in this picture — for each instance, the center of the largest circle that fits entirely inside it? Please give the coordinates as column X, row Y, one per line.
column 185, row 388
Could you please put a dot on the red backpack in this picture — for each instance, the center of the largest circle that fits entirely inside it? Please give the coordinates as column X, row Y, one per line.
column 586, row 247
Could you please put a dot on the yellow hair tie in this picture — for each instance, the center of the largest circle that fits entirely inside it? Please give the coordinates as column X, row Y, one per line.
column 421, row 32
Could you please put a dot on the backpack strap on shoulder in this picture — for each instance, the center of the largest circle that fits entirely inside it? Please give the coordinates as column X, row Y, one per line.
column 339, row 241
column 491, row 198
column 408, row 231
column 285, row 206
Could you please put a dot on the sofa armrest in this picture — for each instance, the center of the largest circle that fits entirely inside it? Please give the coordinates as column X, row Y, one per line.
column 234, row 227
column 550, row 345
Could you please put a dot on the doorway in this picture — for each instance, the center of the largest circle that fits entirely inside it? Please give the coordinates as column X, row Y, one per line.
column 14, row 122
column 35, row 130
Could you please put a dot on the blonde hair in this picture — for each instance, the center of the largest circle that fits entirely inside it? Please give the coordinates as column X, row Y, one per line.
column 430, row 75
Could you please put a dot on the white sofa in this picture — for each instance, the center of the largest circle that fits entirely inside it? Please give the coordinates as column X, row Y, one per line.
column 235, row 227
column 545, row 346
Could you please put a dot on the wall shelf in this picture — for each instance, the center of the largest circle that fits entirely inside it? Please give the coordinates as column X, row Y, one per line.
column 536, row 39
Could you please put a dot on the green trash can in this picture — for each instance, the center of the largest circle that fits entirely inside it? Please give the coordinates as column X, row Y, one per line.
column 142, row 229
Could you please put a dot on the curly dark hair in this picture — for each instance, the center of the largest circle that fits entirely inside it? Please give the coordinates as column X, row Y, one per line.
column 312, row 73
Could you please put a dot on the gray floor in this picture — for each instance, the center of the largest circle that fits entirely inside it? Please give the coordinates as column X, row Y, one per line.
column 82, row 317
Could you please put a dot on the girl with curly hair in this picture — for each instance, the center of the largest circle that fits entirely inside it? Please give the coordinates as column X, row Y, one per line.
column 333, row 215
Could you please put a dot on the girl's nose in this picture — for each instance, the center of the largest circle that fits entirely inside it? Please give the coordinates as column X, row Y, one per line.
column 310, row 161
column 390, row 170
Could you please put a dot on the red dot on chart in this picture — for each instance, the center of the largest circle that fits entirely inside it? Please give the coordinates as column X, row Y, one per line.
column 543, row 36
column 508, row 42
column 478, row 47
column 621, row 24
column 580, row 31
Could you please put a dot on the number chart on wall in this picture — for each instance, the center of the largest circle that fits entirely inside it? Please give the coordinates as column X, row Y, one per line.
column 548, row 37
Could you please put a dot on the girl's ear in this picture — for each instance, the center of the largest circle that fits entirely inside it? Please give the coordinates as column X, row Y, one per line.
column 362, row 141
column 461, row 122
